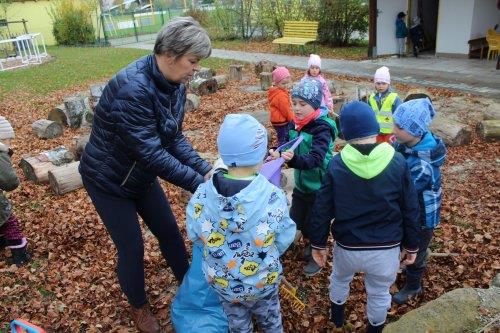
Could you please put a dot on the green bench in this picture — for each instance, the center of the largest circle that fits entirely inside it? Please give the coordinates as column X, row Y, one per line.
column 299, row 33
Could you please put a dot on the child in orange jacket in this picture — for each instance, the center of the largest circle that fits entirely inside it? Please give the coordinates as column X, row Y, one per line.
column 280, row 106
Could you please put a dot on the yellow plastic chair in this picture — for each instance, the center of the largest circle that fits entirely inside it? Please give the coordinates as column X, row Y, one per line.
column 493, row 46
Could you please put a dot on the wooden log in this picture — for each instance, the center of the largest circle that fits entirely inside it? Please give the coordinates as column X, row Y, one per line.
column 65, row 178
column 89, row 117
column 192, row 102
column 492, row 111
column 6, row 130
column 96, row 92
column 75, row 109
column 79, row 144
column 36, row 167
column 452, row 132
column 204, row 73
column 221, row 81
column 47, row 129
column 489, row 130
column 265, row 66
column 58, row 114
column 331, row 86
column 266, row 80
column 204, row 86
column 418, row 93
column 235, row 72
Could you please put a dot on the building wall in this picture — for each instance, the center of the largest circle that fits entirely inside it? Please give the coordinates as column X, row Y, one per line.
column 386, row 26
column 454, row 26
column 37, row 15
column 485, row 16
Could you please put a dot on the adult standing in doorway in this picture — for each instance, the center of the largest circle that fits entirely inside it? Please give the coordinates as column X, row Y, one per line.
column 137, row 137
column 401, row 34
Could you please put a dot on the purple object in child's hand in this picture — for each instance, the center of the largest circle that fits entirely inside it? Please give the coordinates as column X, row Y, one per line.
column 272, row 169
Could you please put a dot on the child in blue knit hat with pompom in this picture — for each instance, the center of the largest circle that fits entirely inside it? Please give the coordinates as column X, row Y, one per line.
column 425, row 153
column 368, row 193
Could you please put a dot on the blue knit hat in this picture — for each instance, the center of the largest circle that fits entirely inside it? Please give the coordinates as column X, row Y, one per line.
column 357, row 121
column 415, row 116
column 310, row 91
column 242, row 140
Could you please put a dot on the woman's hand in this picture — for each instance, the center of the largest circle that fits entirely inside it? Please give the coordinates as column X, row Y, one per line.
column 287, row 155
column 208, row 175
column 319, row 256
column 273, row 154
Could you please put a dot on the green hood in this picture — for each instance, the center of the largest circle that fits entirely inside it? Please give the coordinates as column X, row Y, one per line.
column 367, row 166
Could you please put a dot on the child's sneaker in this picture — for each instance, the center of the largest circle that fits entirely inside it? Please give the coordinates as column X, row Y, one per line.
column 337, row 314
column 20, row 255
column 406, row 293
column 312, row 268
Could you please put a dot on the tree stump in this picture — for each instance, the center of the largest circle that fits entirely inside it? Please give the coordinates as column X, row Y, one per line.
column 75, row 109
column 47, row 129
column 96, row 93
column 489, row 130
column 221, row 81
column 65, row 178
column 58, row 114
column 265, row 66
column 492, row 112
column 266, row 80
column 204, row 86
column 203, row 73
column 36, row 167
column 79, row 145
column 331, row 86
column 89, row 117
column 452, row 132
column 6, row 130
column 192, row 102
column 235, row 72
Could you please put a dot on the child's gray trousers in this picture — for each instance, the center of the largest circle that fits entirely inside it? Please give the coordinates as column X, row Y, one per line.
column 380, row 268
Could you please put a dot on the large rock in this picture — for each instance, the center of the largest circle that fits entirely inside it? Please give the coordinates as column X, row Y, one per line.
column 261, row 115
column 460, row 310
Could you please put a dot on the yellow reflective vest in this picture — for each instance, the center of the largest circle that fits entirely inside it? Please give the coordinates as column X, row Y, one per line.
column 384, row 115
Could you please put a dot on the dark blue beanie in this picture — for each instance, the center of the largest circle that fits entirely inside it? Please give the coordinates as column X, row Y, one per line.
column 357, row 121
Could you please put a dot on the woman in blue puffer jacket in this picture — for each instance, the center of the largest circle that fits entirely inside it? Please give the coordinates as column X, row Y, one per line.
column 137, row 137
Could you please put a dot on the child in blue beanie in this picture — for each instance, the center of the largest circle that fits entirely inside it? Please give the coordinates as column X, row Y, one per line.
column 425, row 153
column 311, row 157
column 368, row 193
column 242, row 220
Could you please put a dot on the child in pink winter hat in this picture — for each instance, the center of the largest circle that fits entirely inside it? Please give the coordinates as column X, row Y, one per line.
column 384, row 102
column 280, row 104
column 314, row 71
column 279, row 74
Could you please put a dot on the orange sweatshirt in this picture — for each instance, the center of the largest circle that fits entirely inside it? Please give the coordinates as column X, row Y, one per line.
column 280, row 106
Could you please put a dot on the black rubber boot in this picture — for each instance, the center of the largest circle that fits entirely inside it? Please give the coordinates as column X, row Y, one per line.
column 337, row 314
column 374, row 329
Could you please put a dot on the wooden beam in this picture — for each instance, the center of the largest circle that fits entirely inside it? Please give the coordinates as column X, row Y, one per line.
column 372, row 29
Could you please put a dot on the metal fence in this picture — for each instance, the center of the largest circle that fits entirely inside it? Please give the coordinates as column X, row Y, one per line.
column 133, row 27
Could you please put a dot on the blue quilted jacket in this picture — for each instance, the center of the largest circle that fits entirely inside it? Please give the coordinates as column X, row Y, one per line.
column 137, row 134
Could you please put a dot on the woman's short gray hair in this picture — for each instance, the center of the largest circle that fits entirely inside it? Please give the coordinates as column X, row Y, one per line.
column 181, row 36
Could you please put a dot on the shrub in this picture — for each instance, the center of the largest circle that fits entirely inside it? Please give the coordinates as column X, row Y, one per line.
column 72, row 22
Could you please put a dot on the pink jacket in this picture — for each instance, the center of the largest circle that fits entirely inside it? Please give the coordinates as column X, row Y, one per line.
column 327, row 96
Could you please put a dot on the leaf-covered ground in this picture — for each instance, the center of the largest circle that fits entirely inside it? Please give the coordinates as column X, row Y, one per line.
column 70, row 285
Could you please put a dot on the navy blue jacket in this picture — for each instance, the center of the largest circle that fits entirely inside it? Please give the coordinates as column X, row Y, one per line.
column 374, row 213
column 137, row 134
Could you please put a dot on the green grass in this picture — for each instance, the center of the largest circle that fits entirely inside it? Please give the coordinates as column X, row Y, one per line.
column 76, row 66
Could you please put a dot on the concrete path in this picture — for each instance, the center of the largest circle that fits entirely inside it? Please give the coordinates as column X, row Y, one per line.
column 473, row 76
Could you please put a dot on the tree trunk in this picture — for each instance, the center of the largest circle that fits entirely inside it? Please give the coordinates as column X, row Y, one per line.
column 6, row 130
column 266, row 80
column 65, row 178
column 221, row 81
column 204, row 86
column 235, row 72
column 47, row 129
column 265, row 66
column 36, row 167
column 75, row 109
column 79, row 145
column 58, row 114
column 452, row 132
column 192, row 102
column 489, row 130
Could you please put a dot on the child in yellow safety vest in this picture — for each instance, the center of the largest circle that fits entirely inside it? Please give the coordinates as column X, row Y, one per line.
column 384, row 102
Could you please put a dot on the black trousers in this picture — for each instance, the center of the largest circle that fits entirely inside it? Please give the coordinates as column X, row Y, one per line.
column 119, row 215
column 301, row 210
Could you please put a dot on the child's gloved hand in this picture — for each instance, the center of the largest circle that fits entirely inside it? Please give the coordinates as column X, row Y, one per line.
column 319, row 256
column 407, row 258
